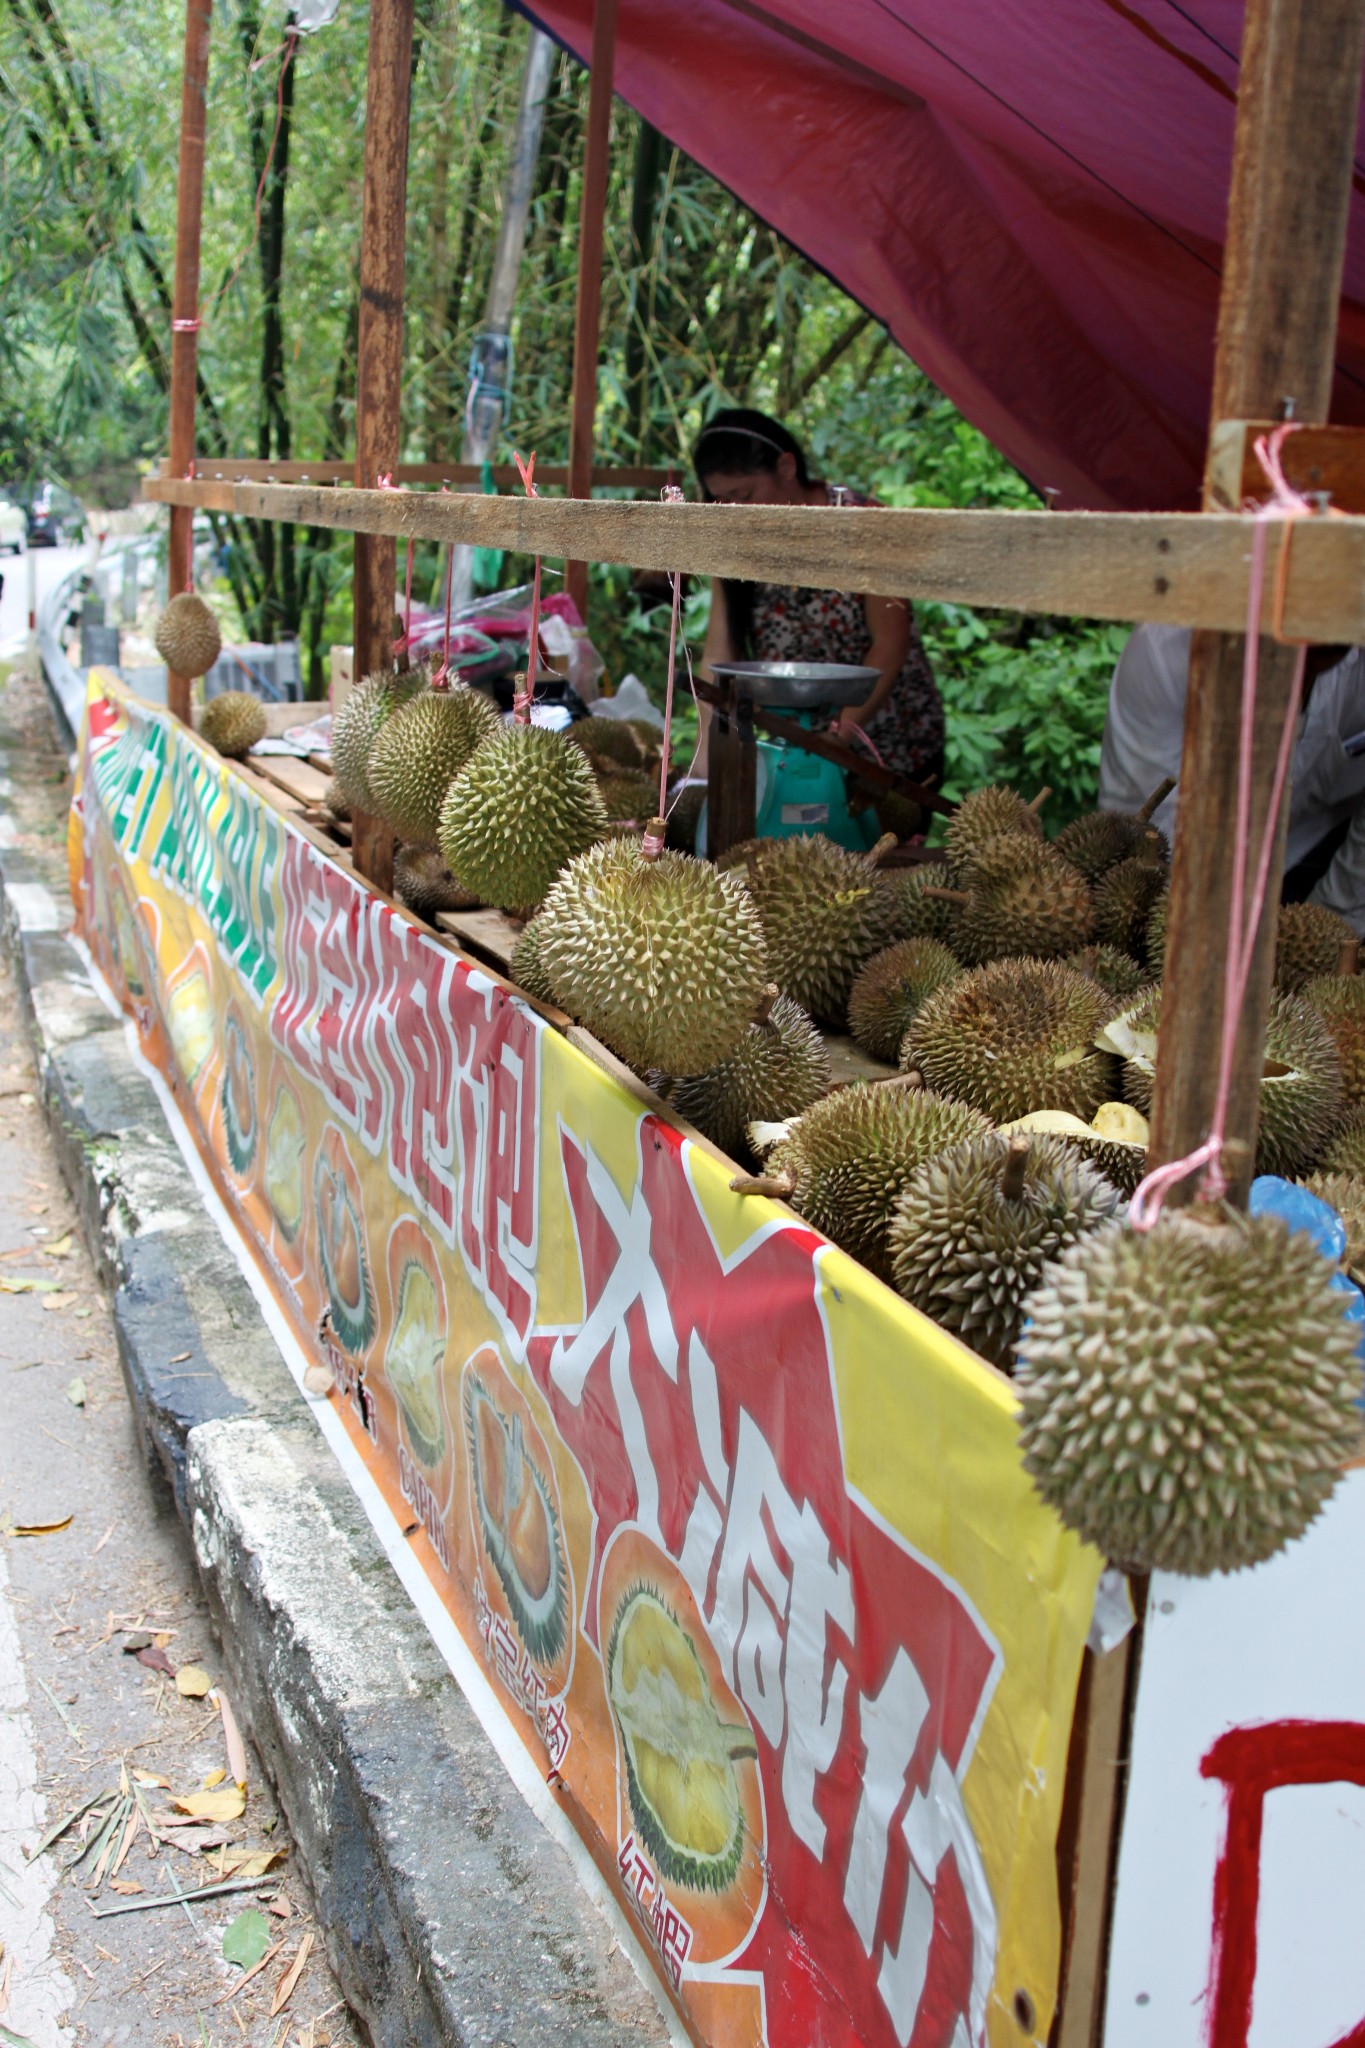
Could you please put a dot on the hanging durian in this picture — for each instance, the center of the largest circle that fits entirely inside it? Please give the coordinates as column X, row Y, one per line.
column 778, row 1069
column 418, row 752
column 1339, row 999
column 232, row 722
column 824, row 915
column 1308, row 945
column 974, row 1228
column 1188, row 1395
column 354, row 728
column 920, row 911
column 1115, row 971
column 1125, row 897
column 525, row 805
column 889, row 990
column 1301, row 1094
column 844, row 1163
column 1101, row 839
column 1017, row 898
column 422, row 880
column 662, row 959
column 1013, row 1037
column 188, row 637
column 1114, row 1141
column 983, row 815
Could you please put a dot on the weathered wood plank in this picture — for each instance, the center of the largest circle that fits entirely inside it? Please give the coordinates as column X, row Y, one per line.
column 1330, row 459
column 1182, row 569
column 588, row 303
column 185, row 303
column 605, row 476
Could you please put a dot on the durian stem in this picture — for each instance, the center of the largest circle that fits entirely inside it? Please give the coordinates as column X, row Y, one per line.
column 948, row 895
column 911, row 1080
column 1091, row 956
column 740, row 1743
column 779, row 1185
column 882, row 848
column 1041, row 798
column 1348, row 959
column 764, row 1007
column 1016, row 1166
column 1156, row 799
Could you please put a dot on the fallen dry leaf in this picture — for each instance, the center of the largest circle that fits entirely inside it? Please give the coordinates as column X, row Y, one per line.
column 250, row 1862
column 41, row 1528
column 192, row 1683
column 57, row 1301
column 151, row 1778
column 9, row 1285
column 103, row 1540
column 227, row 1803
column 284, row 1990
column 75, row 1393
column 154, row 1659
column 181, row 1358
column 232, row 1740
column 280, row 1907
column 214, row 1778
column 128, row 1885
column 60, row 1250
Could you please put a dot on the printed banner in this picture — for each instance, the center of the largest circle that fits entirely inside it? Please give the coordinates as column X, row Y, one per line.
column 743, row 1542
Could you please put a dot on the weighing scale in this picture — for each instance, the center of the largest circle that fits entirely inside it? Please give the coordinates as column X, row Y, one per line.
column 799, row 793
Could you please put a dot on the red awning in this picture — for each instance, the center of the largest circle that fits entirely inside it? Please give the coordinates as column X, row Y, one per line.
column 1030, row 193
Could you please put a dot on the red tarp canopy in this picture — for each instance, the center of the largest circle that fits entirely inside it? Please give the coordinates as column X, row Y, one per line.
column 1030, row 193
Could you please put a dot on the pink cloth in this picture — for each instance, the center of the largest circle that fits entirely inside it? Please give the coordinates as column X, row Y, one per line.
column 1030, row 193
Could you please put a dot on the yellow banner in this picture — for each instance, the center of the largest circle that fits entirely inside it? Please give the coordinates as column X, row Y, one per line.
column 742, row 1540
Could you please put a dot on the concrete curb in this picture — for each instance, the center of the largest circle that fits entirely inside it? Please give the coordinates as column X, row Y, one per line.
column 451, row 1915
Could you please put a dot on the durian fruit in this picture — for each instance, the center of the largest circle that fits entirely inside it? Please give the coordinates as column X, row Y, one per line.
column 608, row 740
column 983, row 815
column 1018, row 897
column 1101, row 839
column 188, row 637
column 824, row 915
column 1308, row 944
column 335, row 800
column 889, row 990
column 919, row 913
column 1114, row 1141
column 628, row 798
column 974, row 1228
column 847, row 1159
column 354, row 728
column 684, row 815
column 526, row 967
column 1345, row 1192
column 777, row 1070
column 1125, row 896
column 651, row 743
column 422, row 880
column 1339, row 1000
column 524, row 806
column 232, row 722
column 897, row 813
column 1345, row 1152
column 1013, row 1037
column 1300, row 1089
column 418, row 752
column 1118, row 972
column 1188, row 1394
column 662, row 959
column 1155, row 935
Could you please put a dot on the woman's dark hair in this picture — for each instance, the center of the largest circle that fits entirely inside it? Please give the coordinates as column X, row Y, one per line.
column 737, row 442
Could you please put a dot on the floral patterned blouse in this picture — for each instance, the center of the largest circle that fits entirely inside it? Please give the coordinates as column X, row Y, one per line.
column 791, row 624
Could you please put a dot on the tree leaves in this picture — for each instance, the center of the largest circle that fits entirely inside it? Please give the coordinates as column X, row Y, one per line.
column 246, row 1939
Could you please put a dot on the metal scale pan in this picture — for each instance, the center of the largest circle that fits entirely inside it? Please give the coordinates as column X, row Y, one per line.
column 798, row 685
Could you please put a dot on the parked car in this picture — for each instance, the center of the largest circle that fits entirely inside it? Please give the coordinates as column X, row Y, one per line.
column 44, row 527
column 12, row 525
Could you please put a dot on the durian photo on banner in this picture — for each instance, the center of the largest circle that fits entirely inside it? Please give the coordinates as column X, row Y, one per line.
column 742, row 1542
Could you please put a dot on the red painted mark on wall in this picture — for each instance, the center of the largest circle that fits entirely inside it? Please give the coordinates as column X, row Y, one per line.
column 1252, row 1762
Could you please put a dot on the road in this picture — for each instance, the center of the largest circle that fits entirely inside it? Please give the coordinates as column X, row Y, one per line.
column 51, row 565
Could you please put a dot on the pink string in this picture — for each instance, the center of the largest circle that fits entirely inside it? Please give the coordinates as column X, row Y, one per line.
column 186, row 326
column 855, row 731
column 1243, row 918
column 652, row 847
column 522, row 699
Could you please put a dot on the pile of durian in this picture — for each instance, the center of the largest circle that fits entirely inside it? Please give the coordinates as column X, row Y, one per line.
column 1188, row 1395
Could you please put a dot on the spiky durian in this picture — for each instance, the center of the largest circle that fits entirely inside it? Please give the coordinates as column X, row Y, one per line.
column 354, row 728
column 1125, row 896
column 1345, row 1192
column 887, row 993
column 608, row 740
column 983, row 815
column 1188, row 1394
column 1300, row 1088
column 1101, row 839
column 628, row 798
column 1118, row 972
column 777, row 1070
column 824, row 915
column 897, row 813
column 422, row 880
column 523, row 807
column 1155, row 935
column 974, row 1228
column 1308, row 944
column 662, row 959
column 232, row 722
column 846, row 1160
column 1339, row 1000
column 335, row 800
column 1114, row 1141
column 418, row 752
column 526, row 967
column 1345, row 1151
column 1019, row 897
column 1013, row 1037
column 188, row 637
column 683, row 817
column 918, row 914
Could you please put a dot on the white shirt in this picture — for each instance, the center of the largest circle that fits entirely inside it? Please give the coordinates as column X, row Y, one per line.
column 1144, row 730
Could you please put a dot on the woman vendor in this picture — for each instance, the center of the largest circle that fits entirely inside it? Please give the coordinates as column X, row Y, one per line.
column 742, row 457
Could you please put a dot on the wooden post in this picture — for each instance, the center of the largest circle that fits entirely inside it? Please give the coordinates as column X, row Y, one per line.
column 588, row 313
column 1277, row 325
column 379, row 363
column 185, row 303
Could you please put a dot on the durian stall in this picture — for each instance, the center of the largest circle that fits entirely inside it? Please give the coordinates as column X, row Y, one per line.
column 669, row 1227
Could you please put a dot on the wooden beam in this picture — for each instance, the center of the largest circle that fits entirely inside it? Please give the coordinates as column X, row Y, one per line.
column 251, row 469
column 861, row 766
column 1179, row 569
column 1313, row 459
column 189, row 216
column 379, row 362
column 588, row 309
column 1277, row 322
column 1093, row 1798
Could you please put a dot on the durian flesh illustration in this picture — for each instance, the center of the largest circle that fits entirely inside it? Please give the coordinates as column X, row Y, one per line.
column 414, row 1359
column 680, row 1756
column 189, row 1019
column 238, row 1097
column 518, row 1522
column 345, row 1268
column 285, row 1143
